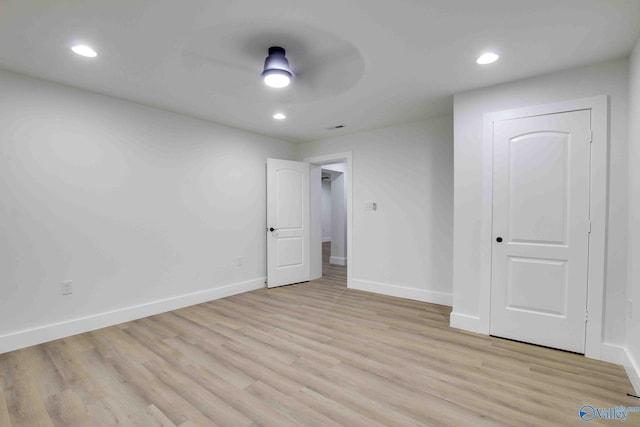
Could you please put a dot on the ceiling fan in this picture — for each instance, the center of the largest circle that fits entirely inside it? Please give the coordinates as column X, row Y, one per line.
column 228, row 59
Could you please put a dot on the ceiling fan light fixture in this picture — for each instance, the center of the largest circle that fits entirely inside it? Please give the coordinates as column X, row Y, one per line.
column 276, row 79
column 276, row 72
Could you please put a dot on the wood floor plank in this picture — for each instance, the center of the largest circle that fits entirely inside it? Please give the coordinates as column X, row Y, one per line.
column 334, row 409
column 299, row 414
column 208, row 361
column 24, row 400
column 315, row 354
column 256, row 369
column 67, row 409
column 348, row 396
column 166, row 399
column 4, row 410
column 158, row 417
column 211, row 406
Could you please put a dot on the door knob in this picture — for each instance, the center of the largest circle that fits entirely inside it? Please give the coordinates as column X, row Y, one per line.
column 272, row 229
column 499, row 240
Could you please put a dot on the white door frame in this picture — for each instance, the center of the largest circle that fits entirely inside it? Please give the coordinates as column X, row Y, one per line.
column 599, row 106
column 345, row 157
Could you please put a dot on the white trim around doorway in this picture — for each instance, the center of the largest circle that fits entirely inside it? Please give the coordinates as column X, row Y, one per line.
column 345, row 157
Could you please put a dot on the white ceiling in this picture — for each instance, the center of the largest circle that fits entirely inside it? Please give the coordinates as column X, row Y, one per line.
column 361, row 63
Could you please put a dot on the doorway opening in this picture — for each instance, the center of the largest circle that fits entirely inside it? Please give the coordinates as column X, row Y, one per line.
column 334, row 212
column 330, row 192
column 333, row 219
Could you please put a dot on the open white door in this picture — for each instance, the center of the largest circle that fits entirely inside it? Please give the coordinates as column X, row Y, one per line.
column 287, row 222
column 541, row 229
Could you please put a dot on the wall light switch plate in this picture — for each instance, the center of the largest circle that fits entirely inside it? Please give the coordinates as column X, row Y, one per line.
column 66, row 287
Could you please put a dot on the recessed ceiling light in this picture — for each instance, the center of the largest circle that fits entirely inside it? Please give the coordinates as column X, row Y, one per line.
column 83, row 50
column 279, row 116
column 487, row 58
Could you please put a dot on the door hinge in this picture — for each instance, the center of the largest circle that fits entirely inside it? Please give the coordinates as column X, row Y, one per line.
column 586, row 315
column 589, row 228
column 590, row 136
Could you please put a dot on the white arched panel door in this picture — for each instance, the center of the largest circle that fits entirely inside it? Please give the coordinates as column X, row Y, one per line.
column 541, row 229
column 287, row 222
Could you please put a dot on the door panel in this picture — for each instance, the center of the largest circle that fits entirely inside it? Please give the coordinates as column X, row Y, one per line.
column 289, row 195
column 537, row 285
column 538, row 164
column 288, row 215
column 290, row 252
column 541, row 213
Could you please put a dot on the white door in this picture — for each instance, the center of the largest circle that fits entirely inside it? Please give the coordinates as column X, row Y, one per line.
column 287, row 222
column 541, row 229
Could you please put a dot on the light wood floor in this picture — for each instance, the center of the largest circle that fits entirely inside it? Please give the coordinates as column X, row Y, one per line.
column 312, row 354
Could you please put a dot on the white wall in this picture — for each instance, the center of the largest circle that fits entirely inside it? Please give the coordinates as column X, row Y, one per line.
column 143, row 209
column 326, row 211
column 404, row 248
column 608, row 78
column 633, row 287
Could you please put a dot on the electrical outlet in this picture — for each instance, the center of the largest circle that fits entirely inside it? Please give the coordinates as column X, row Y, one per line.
column 239, row 261
column 66, row 287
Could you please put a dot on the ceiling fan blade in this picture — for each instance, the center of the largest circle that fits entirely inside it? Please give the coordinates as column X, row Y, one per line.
column 192, row 60
column 332, row 72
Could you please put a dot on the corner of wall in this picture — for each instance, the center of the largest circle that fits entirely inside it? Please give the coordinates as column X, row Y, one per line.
column 620, row 355
column 466, row 323
column 423, row 295
column 632, row 350
column 632, row 366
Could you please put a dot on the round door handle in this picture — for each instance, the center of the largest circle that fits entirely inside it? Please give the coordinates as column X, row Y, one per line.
column 272, row 229
column 499, row 240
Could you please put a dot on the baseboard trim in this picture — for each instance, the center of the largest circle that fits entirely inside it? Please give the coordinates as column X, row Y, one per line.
column 38, row 335
column 465, row 322
column 632, row 366
column 433, row 297
column 613, row 353
column 337, row 260
column 620, row 355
